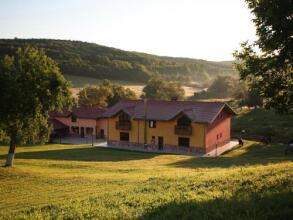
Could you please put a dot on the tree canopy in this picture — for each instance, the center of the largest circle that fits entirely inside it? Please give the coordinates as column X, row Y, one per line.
column 221, row 87
column 93, row 60
column 267, row 62
column 104, row 95
column 31, row 86
column 247, row 96
column 159, row 89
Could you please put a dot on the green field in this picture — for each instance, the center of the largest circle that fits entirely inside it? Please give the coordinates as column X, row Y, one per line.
column 261, row 122
column 83, row 182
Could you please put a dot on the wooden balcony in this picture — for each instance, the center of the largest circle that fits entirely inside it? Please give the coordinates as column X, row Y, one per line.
column 183, row 130
column 123, row 125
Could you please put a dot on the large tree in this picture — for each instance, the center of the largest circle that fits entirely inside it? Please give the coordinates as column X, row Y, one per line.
column 118, row 93
column 221, row 87
column 31, row 86
column 104, row 95
column 267, row 62
column 160, row 89
column 94, row 96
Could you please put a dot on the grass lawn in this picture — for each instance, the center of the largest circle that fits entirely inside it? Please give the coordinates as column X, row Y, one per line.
column 82, row 182
column 262, row 122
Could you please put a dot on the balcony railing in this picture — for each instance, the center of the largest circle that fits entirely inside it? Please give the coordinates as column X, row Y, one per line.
column 183, row 130
column 123, row 125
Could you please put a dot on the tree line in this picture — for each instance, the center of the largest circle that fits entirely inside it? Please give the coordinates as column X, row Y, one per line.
column 93, row 60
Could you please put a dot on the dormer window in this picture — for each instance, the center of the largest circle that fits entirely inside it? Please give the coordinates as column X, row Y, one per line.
column 123, row 122
column 124, row 117
column 184, row 121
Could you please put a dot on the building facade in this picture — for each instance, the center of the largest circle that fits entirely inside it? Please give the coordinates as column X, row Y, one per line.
column 82, row 122
column 170, row 126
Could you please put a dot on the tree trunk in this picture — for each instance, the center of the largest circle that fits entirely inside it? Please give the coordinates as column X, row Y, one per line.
column 11, row 153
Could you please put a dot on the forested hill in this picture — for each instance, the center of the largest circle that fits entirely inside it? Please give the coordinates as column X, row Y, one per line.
column 93, row 60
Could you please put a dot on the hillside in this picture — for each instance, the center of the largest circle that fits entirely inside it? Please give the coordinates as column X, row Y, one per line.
column 93, row 60
column 84, row 182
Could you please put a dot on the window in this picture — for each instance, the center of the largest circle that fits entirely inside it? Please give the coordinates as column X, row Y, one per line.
column 89, row 131
column 221, row 135
column 217, row 136
column 152, row 124
column 73, row 118
column 124, row 117
column 183, row 121
column 124, row 136
column 183, row 142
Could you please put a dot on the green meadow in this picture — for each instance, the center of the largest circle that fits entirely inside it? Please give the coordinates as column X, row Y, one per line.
column 262, row 122
column 84, row 182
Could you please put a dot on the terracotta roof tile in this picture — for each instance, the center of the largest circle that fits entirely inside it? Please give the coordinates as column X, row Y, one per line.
column 88, row 112
column 203, row 112
column 80, row 112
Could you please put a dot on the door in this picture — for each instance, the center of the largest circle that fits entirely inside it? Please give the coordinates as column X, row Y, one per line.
column 161, row 143
column 82, row 132
column 102, row 133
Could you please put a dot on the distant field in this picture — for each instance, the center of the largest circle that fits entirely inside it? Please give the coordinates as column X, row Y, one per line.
column 79, row 82
column 83, row 182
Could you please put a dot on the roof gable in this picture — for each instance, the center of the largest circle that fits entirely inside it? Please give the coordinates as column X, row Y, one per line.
column 201, row 112
column 80, row 112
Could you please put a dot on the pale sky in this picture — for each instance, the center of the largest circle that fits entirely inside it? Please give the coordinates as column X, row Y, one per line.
column 203, row 29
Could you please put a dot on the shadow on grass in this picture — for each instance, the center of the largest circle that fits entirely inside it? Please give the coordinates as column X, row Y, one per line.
column 84, row 154
column 273, row 206
column 249, row 155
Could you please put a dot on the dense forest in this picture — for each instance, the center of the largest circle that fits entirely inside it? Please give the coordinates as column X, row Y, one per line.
column 93, row 60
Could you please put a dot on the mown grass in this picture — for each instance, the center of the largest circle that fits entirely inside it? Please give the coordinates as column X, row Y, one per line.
column 82, row 182
column 262, row 122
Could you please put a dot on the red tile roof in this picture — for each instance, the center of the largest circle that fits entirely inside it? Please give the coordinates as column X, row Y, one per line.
column 202, row 112
column 80, row 112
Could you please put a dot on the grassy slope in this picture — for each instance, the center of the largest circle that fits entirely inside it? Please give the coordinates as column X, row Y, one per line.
column 63, row 181
column 261, row 122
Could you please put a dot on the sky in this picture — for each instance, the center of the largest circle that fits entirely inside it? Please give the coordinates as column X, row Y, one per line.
column 202, row 29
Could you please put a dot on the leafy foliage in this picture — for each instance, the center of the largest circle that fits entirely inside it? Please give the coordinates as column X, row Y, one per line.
column 31, row 86
column 118, row 93
column 247, row 96
column 221, row 87
column 270, row 70
column 94, row 96
column 88, row 59
column 104, row 95
column 159, row 89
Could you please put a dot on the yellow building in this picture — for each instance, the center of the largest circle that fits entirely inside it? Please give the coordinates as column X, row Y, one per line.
column 171, row 126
